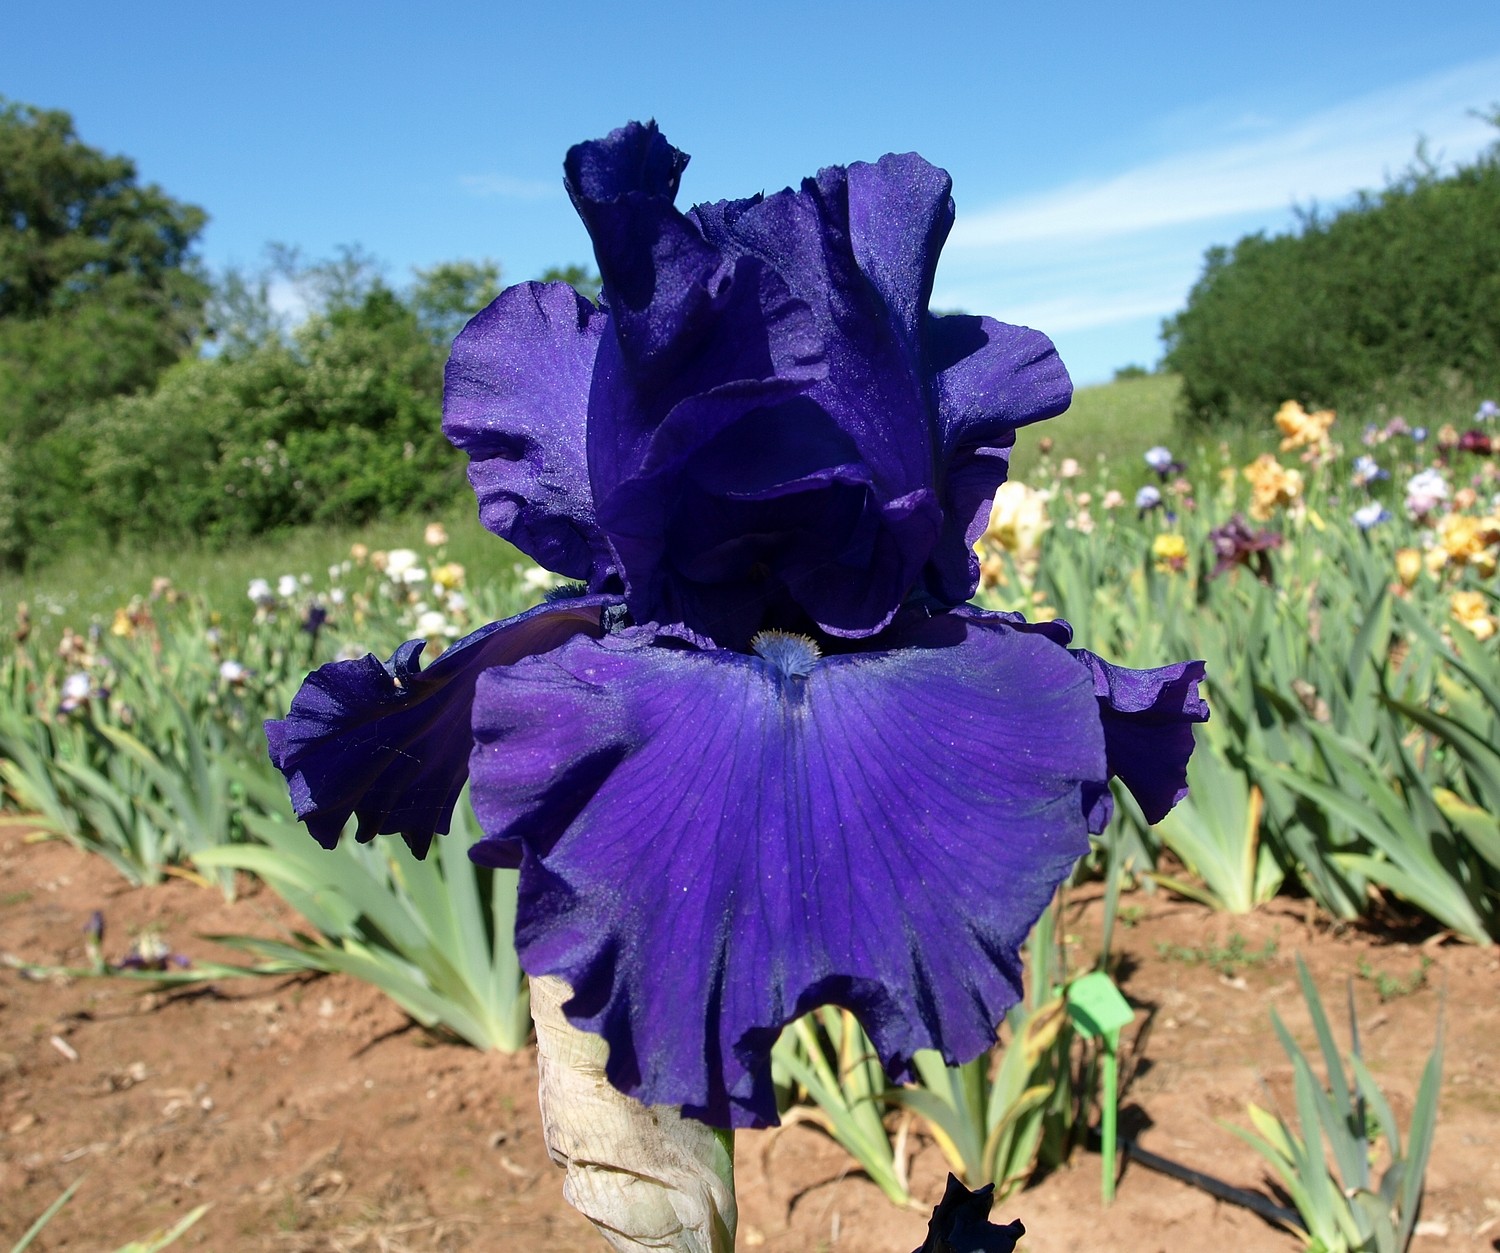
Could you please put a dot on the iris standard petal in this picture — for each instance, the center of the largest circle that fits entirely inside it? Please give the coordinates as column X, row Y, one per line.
column 989, row 379
column 1148, row 720
column 808, row 307
column 515, row 398
column 775, row 519
column 714, row 845
column 650, row 447
column 698, row 342
column 390, row 743
column 900, row 213
column 874, row 389
column 845, row 375
column 660, row 278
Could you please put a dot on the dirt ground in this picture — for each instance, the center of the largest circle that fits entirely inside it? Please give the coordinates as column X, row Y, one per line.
column 313, row 1116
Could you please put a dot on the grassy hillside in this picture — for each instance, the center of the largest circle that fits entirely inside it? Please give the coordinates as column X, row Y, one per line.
column 1113, row 421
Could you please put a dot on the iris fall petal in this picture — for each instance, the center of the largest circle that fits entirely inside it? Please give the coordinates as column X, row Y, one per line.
column 389, row 743
column 1148, row 720
column 712, row 845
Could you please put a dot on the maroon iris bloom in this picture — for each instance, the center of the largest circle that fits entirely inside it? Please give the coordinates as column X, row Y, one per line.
column 768, row 758
column 1235, row 544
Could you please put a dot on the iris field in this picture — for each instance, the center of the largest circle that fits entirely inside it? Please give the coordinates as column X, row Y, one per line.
column 1338, row 578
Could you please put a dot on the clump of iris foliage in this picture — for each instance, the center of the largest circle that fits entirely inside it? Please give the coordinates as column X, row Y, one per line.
column 1342, row 587
column 1345, row 608
column 1370, row 1196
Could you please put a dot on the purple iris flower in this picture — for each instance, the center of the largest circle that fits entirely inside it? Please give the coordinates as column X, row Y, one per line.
column 766, row 758
column 313, row 618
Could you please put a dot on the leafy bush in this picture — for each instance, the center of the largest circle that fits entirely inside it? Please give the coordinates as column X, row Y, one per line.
column 1394, row 297
column 115, row 431
column 336, row 424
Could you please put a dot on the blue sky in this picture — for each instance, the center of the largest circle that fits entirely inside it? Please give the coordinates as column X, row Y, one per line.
column 1096, row 148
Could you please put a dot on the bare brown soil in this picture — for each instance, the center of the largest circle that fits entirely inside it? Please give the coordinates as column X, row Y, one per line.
column 314, row 1117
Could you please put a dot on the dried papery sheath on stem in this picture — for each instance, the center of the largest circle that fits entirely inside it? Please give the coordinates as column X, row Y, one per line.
column 645, row 1176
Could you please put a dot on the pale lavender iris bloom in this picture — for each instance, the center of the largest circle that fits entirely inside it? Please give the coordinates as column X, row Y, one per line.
column 1148, row 498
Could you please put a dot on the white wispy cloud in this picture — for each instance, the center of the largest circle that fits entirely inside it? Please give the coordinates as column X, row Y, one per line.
column 1085, row 311
column 1122, row 250
column 509, row 187
column 1325, row 156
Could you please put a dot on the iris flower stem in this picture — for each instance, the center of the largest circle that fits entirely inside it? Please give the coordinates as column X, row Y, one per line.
column 646, row 1177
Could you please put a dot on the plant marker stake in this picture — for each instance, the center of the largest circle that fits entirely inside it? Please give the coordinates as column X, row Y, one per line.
column 1107, row 1115
column 645, row 1176
column 1098, row 1011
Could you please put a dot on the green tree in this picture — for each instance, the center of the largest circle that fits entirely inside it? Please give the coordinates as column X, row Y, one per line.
column 99, row 290
column 446, row 296
column 99, row 293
